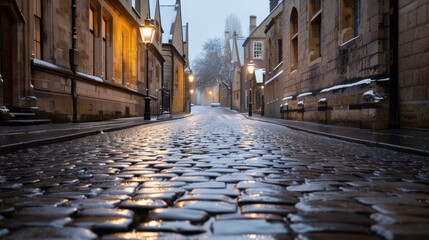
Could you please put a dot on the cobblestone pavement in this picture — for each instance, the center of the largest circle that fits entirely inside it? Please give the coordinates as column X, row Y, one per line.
column 215, row 175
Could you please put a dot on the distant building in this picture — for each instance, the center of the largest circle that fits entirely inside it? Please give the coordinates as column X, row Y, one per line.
column 237, row 60
column 273, row 82
column 174, row 53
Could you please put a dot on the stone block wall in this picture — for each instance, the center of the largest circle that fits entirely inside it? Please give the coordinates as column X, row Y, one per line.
column 414, row 63
column 343, row 61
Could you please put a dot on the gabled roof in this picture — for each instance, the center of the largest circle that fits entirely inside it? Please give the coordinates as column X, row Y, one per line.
column 260, row 29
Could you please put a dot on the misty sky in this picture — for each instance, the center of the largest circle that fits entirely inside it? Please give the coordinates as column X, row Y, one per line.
column 206, row 18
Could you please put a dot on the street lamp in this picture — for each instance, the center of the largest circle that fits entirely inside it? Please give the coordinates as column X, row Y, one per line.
column 190, row 99
column 250, row 70
column 147, row 33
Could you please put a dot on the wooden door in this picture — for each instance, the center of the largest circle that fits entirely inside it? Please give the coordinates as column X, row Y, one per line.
column 6, row 56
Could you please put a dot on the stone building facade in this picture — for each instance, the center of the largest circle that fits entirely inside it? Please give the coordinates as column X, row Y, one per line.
column 336, row 62
column 273, row 84
column 413, row 63
column 173, row 50
column 255, row 52
column 110, row 58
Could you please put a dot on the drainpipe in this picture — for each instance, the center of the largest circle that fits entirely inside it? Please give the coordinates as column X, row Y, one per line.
column 72, row 62
column 394, row 65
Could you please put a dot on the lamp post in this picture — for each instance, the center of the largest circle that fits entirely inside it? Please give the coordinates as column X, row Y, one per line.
column 191, row 79
column 147, row 33
column 190, row 99
column 250, row 70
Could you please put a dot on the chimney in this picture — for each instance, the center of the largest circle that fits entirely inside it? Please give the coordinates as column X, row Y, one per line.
column 227, row 36
column 252, row 24
column 273, row 4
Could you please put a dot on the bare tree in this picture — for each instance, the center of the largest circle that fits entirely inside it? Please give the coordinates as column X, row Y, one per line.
column 213, row 66
column 233, row 24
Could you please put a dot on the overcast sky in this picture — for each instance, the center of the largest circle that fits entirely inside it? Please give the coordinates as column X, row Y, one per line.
column 206, row 18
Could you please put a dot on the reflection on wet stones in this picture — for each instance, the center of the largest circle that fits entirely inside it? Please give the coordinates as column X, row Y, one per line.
column 211, row 179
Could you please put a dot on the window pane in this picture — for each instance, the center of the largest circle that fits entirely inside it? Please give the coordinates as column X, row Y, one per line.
column 91, row 19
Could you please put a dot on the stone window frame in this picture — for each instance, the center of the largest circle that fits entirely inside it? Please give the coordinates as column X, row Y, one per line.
column 315, row 29
column 38, row 29
column 258, row 47
column 106, row 35
column 349, row 20
column 136, row 6
column 94, row 11
column 294, row 32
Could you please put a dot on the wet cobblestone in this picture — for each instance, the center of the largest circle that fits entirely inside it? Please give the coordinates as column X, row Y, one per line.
column 215, row 175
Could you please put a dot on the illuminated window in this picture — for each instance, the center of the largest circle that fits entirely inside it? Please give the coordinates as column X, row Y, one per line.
column 315, row 17
column 294, row 40
column 91, row 41
column 38, row 29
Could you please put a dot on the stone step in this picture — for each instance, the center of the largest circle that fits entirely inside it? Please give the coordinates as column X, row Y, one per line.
column 17, row 122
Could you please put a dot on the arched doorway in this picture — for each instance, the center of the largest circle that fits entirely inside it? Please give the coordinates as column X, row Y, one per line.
column 6, row 56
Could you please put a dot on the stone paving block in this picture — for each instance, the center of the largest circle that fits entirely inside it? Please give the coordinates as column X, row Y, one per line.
column 332, row 236
column 223, row 170
column 106, row 212
column 350, row 218
column 35, row 202
column 255, row 184
column 402, row 209
column 66, row 195
column 387, row 219
column 249, row 226
column 44, row 233
column 268, row 209
column 333, row 206
column 143, row 204
column 234, row 178
column 402, row 231
column 21, row 221
column 182, row 227
column 178, row 214
column 203, row 174
column 308, row 227
column 212, row 207
column 207, row 197
column 168, row 197
column 160, row 184
column 311, row 187
column 47, row 211
column 144, row 235
column 102, row 223
column 119, row 190
column 238, row 216
column 205, row 185
column 3, row 232
column 7, row 211
column 267, row 199
column 22, row 192
column 94, row 203
column 190, row 179
column 392, row 200
column 228, row 192
column 177, row 191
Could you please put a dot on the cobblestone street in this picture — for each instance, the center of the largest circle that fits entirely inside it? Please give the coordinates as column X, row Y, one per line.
column 214, row 175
